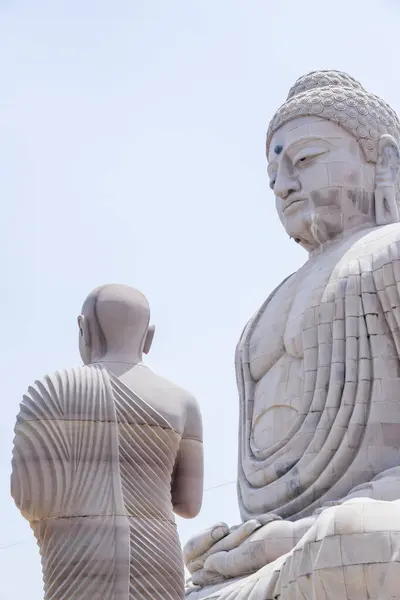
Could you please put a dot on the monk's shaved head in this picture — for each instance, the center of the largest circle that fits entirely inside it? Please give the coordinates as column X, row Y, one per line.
column 117, row 320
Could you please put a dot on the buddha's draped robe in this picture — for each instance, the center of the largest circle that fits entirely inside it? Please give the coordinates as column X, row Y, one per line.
column 351, row 429
column 349, row 472
column 92, row 469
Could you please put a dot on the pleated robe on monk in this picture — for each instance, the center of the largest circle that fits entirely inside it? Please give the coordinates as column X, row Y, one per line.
column 92, row 468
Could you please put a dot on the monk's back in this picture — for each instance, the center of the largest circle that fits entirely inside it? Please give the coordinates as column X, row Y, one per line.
column 100, row 460
column 104, row 455
column 150, row 413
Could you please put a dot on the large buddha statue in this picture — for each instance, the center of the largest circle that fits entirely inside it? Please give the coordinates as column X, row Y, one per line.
column 104, row 454
column 318, row 368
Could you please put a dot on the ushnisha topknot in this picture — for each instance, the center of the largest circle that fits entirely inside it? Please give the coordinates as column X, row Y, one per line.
column 337, row 97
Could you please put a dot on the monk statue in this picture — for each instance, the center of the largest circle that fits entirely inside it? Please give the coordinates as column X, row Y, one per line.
column 318, row 368
column 104, row 454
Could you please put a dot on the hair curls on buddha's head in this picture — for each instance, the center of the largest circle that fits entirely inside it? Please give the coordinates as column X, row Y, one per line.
column 337, row 97
column 340, row 98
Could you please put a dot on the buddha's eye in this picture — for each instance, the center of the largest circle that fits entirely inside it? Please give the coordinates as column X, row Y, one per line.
column 303, row 160
column 272, row 183
column 308, row 158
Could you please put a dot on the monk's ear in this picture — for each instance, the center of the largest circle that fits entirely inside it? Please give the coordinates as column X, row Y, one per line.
column 84, row 330
column 386, row 171
column 149, row 339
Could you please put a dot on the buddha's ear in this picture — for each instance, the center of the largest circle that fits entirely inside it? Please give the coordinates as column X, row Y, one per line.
column 84, row 330
column 149, row 339
column 386, row 171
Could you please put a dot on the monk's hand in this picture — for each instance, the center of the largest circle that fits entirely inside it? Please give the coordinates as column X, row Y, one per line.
column 219, row 541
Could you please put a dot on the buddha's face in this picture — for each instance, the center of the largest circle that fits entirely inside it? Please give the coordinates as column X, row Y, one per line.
column 322, row 182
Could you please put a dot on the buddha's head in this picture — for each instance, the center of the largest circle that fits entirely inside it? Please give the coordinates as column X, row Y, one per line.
column 333, row 158
column 114, row 325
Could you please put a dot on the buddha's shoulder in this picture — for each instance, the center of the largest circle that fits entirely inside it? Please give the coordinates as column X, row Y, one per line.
column 65, row 393
column 380, row 243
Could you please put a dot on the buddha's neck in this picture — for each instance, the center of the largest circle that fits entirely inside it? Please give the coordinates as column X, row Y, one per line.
column 340, row 238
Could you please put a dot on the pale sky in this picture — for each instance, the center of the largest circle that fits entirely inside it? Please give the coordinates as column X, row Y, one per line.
column 132, row 151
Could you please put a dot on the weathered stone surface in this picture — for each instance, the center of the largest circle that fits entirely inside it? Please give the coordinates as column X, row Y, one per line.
column 318, row 368
column 98, row 452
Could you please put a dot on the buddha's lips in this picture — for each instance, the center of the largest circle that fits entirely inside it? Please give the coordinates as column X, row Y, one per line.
column 293, row 201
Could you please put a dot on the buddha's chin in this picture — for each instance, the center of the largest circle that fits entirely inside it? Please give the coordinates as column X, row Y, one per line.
column 297, row 226
column 313, row 228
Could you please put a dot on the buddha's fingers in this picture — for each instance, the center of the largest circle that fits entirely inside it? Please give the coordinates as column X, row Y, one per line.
column 243, row 560
column 194, row 566
column 204, row 577
column 231, row 541
column 235, row 538
column 268, row 518
column 199, row 544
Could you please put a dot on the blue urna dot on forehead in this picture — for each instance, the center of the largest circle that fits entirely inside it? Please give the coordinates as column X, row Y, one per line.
column 278, row 149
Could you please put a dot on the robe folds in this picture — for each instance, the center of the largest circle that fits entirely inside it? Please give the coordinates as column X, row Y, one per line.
column 92, row 469
column 348, row 475
column 351, row 343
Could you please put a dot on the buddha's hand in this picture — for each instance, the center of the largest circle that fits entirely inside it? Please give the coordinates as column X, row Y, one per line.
column 205, row 553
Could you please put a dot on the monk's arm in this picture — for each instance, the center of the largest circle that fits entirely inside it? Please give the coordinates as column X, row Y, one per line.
column 187, row 483
column 35, row 458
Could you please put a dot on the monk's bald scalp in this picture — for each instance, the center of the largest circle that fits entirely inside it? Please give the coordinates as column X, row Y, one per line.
column 115, row 312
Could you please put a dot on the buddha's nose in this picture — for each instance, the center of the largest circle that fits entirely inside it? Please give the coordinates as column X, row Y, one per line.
column 286, row 183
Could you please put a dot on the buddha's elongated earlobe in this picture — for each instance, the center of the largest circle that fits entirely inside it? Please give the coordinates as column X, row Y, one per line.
column 387, row 166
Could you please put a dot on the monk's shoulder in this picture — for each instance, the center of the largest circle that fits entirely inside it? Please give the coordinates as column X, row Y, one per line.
column 61, row 394
column 178, row 406
column 147, row 382
column 192, row 415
